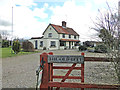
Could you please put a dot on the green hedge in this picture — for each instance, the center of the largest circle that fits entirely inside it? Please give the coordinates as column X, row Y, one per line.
column 101, row 48
column 16, row 46
column 82, row 48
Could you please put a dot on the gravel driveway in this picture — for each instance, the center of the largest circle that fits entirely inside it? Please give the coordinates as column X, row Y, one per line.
column 19, row 72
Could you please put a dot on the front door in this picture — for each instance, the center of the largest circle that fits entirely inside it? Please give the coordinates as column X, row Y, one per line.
column 36, row 44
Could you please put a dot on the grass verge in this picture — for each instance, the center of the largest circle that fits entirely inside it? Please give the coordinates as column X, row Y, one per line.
column 7, row 52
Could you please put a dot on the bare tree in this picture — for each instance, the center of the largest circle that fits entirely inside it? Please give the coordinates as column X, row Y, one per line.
column 4, row 34
column 108, row 28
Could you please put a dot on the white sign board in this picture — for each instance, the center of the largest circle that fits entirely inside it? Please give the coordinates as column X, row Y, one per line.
column 65, row 59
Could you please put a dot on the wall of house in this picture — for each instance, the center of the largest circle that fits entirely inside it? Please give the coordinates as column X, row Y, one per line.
column 38, row 43
column 47, row 44
column 67, row 37
column 50, row 29
column 47, row 40
column 62, row 48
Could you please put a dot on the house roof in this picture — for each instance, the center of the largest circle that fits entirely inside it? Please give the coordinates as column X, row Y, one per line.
column 64, row 30
column 70, row 40
column 37, row 37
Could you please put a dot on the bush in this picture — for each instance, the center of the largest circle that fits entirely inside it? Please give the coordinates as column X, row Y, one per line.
column 27, row 46
column 5, row 43
column 44, row 48
column 101, row 49
column 16, row 47
column 82, row 48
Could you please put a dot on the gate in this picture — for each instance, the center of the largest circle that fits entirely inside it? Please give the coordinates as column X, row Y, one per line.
column 46, row 64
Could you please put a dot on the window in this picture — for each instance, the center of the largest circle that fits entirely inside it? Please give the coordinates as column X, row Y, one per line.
column 72, row 43
column 63, row 35
column 50, row 35
column 77, row 44
column 75, row 37
column 53, row 44
column 69, row 36
column 41, row 43
column 62, row 43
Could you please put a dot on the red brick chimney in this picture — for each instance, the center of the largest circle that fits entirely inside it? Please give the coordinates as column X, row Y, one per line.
column 64, row 24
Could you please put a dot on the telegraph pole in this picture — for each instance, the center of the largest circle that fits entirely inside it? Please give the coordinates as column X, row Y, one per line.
column 12, row 28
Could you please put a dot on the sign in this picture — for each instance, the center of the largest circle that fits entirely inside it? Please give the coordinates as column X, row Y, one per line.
column 65, row 59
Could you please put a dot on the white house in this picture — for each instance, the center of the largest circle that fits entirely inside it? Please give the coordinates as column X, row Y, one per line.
column 57, row 37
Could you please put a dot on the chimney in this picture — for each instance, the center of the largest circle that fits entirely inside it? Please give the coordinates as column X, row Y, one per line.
column 63, row 24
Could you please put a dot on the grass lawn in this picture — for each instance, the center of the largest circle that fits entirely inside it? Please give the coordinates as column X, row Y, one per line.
column 7, row 52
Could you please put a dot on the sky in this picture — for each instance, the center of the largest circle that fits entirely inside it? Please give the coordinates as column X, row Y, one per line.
column 31, row 17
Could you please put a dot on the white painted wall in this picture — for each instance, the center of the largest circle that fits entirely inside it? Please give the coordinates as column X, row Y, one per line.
column 54, row 33
column 48, row 44
column 67, row 37
column 38, row 43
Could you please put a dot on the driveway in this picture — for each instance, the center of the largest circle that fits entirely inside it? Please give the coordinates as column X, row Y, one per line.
column 20, row 71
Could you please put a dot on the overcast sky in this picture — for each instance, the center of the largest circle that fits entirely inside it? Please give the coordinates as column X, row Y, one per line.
column 31, row 17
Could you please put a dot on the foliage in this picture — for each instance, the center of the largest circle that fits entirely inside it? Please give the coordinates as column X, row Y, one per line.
column 91, row 49
column 16, row 46
column 27, row 46
column 82, row 48
column 101, row 48
column 106, row 37
column 88, row 44
column 108, row 28
column 44, row 48
column 5, row 43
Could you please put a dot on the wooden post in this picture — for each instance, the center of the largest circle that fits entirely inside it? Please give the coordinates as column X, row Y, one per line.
column 51, row 70
column 45, row 75
column 82, row 72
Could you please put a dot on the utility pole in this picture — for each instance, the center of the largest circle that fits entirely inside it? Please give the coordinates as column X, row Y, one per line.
column 12, row 28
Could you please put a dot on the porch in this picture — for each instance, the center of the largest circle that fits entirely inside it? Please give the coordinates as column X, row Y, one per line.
column 69, row 44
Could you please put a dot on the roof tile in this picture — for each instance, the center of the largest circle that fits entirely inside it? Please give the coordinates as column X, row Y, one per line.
column 64, row 30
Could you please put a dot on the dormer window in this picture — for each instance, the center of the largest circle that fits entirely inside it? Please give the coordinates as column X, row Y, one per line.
column 50, row 35
column 63, row 35
column 50, row 28
column 69, row 36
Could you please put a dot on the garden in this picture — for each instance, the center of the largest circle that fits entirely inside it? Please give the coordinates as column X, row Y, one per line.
column 16, row 49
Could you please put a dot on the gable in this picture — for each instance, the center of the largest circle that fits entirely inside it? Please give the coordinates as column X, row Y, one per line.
column 50, row 29
column 49, row 26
